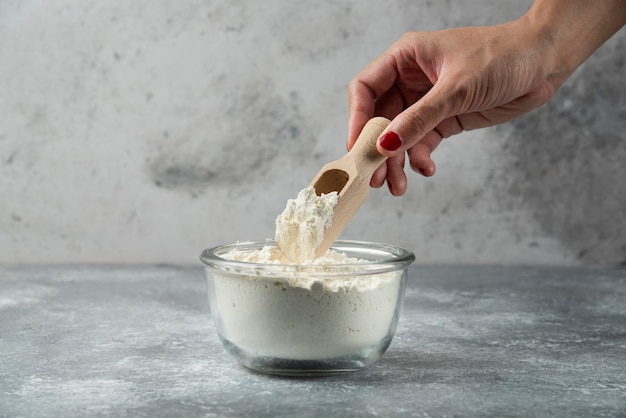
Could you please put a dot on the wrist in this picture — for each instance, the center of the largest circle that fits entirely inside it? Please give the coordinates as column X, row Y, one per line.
column 571, row 30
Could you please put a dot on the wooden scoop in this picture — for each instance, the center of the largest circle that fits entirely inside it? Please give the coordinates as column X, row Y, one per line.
column 350, row 177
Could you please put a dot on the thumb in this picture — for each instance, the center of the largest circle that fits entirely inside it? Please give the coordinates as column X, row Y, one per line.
column 414, row 123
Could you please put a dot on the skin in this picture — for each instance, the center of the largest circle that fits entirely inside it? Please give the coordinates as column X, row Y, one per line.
column 433, row 85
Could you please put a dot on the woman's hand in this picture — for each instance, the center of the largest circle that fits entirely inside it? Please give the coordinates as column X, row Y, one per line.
column 437, row 84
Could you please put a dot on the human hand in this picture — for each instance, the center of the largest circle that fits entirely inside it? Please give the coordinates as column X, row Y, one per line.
column 437, row 84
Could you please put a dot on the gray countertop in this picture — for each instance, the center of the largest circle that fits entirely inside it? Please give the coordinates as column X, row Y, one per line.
column 472, row 341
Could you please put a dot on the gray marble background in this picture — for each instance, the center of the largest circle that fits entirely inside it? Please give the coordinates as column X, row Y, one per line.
column 142, row 132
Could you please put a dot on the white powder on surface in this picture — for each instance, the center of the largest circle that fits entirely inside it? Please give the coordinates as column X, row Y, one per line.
column 300, row 228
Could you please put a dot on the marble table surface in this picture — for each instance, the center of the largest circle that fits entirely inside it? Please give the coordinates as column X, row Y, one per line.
column 472, row 341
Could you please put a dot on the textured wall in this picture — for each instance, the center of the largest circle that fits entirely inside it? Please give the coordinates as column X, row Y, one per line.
column 146, row 131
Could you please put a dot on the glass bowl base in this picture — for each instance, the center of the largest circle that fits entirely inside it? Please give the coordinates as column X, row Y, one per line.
column 309, row 367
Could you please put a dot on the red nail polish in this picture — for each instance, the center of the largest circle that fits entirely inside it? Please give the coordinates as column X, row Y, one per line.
column 390, row 141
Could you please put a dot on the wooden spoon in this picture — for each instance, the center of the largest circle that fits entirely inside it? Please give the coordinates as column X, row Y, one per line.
column 350, row 177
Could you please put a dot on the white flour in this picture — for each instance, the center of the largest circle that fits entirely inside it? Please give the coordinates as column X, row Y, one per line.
column 305, row 317
column 276, row 318
column 300, row 228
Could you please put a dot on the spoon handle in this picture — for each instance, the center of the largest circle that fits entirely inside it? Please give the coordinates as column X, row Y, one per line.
column 364, row 153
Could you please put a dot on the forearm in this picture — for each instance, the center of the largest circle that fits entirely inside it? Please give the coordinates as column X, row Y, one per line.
column 574, row 29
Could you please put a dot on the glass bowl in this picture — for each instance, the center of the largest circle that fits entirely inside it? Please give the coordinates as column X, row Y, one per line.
column 304, row 320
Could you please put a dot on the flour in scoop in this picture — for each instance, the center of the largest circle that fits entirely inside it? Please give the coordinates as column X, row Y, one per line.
column 300, row 228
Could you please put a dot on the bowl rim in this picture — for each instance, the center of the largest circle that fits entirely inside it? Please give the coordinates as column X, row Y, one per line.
column 392, row 258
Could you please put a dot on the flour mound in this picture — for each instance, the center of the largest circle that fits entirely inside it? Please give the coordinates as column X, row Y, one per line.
column 300, row 228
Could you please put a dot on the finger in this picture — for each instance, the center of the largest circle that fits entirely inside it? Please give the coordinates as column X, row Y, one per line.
column 419, row 155
column 362, row 105
column 396, row 178
column 388, row 106
column 410, row 126
column 379, row 176
column 365, row 89
column 448, row 127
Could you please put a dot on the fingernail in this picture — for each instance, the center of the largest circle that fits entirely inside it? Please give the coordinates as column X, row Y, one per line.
column 390, row 141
